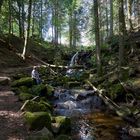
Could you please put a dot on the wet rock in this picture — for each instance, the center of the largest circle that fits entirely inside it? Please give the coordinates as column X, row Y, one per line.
column 38, row 120
column 64, row 124
column 43, row 134
column 134, row 132
column 63, row 137
column 73, row 84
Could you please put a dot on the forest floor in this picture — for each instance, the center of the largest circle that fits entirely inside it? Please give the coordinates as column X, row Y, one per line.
column 11, row 122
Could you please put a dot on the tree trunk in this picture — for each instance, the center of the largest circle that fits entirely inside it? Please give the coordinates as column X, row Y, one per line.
column 33, row 23
column 41, row 18
column 111, row 18
column 27, row 33
column 122, row 33
column 70, row 28
column 129, row 13
column 97, row 38
column 19, row 18
column 23, row 18
column 138, row 9
column 10, row 18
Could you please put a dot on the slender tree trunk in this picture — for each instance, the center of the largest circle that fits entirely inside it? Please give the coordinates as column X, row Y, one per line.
column 41, row 18
column 74, row 30
column 33, row 26
column 22, row 18
column 129, row 13
column 10, row 17
column 138, row 9
column 111, row 18
column 122, row 33
column 27, row 33
column 70, row 29
column 97, row 38
column 107, row 23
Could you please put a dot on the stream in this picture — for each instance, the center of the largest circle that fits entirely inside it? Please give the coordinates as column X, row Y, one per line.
column 88, row 121
column 88, row 113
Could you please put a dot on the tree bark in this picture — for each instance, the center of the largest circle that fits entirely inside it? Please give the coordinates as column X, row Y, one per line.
column 111, row 18
column 97, row 37
column 122, row 33
column 27, row 32
column 129, row 13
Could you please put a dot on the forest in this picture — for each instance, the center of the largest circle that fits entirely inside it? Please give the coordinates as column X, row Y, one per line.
column 69, row 69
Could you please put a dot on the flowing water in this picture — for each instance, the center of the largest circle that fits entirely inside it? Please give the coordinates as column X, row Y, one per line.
column 72, row 63
column 88, row 122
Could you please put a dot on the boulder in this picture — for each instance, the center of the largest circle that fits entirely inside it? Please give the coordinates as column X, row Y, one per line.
column 64, row 124
column 33, row 106
column 38, row 120
column 43, row 134
column 25, row 96
column 63, row 137
column 134, row 132
column 50, row 90
column 39, row 90
column 26, row 81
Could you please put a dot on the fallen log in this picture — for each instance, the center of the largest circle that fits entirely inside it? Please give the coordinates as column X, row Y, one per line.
column 57, row 66
column 103, row 97
column 125, row 113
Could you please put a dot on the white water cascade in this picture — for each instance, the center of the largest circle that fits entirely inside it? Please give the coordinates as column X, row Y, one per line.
column 72, row 63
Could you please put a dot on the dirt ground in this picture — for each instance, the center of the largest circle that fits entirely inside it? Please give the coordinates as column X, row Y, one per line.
column 11, row 123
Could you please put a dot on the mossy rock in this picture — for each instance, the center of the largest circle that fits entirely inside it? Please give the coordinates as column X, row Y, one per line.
column 83, row 75
column 33, row 106
column 39, row 90
column 47, row 104
column 64, row 123
column 26, row 81
column 63, row 137
column 38, row 120
column 25, row 96
column 116, row 92
column 43, row 134
column 18, row 76
column 21, row 89
column 72, row 84
column 50, row 90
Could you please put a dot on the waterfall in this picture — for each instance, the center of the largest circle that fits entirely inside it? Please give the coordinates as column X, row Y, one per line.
column 72, row 62
column 74, row 59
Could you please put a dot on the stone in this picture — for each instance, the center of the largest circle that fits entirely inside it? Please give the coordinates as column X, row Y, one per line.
column 26, row 81
column 64, row 124
column 38, row 120
column 63, row 137
column 25, row 96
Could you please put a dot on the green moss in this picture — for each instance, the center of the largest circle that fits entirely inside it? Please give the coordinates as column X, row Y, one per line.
column 33, row 106
column 47, row 104
column 25, row 96
column 38, row 120
column 50, row 90
column 65, row 124
column 39, row 89
column 63, row 137
column 116, row 90
column 26, row 81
